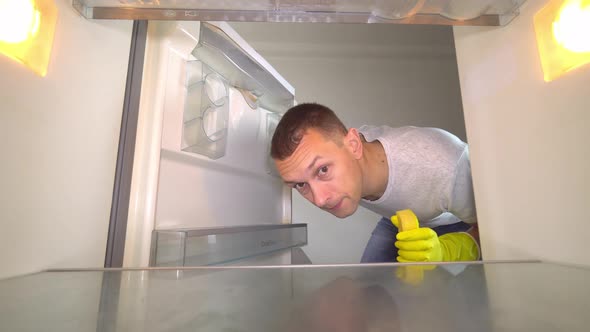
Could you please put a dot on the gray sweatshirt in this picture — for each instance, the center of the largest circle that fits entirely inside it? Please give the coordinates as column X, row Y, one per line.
column 429, row 173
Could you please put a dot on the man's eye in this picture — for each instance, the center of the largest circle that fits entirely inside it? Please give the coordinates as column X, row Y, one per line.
column 299, row 185
column 323, row 171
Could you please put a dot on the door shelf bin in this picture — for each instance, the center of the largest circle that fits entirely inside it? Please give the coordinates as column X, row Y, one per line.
column 221, row 245
column 206, row 111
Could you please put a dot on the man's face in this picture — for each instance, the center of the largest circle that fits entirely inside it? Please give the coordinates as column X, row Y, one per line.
column 326, row 173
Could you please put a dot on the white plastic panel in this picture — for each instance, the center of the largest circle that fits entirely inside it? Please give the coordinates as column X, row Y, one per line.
column 195, row 191
column 235, row 189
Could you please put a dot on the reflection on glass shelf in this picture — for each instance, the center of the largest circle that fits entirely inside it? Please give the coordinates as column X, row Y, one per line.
column 451, row 297
column 222, row 245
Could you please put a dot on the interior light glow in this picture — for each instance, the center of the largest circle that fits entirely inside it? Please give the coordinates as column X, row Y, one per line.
column 572, row 27
column 562, row 29
column 18, row 19
column 26, row 32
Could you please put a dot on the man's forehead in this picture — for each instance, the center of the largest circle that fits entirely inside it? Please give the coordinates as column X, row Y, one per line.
column 316, row 136
column 313, row 144
column 314, row 147
column 298, row 163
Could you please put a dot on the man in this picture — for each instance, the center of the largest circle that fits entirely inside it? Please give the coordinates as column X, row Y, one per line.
column 385, row 170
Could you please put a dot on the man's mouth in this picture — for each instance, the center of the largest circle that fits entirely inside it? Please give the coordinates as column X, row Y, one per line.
column 336, row 207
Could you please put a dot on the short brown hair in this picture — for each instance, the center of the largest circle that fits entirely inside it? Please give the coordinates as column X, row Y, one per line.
column 296, row 121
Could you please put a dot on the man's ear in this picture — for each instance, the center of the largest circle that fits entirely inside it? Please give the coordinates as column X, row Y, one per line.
column 353, row 142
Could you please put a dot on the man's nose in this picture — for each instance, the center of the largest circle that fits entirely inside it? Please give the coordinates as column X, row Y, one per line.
column 321, row 196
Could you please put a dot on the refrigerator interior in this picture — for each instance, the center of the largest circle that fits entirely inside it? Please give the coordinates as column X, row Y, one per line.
column 488, row 296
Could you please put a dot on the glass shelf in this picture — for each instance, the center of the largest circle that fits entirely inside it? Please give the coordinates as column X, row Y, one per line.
column 446, row 12
column 488, row 296
column 222, row 245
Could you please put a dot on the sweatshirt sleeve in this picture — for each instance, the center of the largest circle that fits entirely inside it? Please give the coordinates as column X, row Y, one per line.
column 461, row 200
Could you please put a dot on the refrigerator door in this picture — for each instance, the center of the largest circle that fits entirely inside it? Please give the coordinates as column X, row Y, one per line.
column 208, row 109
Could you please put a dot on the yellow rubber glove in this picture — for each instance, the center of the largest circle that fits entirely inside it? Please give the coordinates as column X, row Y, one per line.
column 423, row 245
column 406, row 220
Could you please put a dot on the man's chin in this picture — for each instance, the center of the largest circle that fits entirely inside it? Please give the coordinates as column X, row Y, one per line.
column 343, row 213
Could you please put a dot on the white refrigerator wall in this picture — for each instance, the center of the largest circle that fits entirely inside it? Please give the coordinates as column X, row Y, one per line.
column 369, row 74
column 59, row 137
column 529, row 144
column 234, row 190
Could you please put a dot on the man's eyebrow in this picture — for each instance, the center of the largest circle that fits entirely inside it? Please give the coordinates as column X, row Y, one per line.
column 310, row 167
column 313, row 162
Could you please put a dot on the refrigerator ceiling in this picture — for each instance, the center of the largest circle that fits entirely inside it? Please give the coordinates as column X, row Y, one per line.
column 439, row 12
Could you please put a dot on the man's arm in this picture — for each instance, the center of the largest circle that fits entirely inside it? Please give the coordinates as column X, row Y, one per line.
column 461, row 199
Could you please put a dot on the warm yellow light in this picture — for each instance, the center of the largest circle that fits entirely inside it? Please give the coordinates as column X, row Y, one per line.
column 572, row 28
column 18, row 19
column 26, row 31
column 563, row 36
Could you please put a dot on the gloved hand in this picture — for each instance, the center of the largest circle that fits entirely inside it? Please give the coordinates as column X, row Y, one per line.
column 424, row 245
